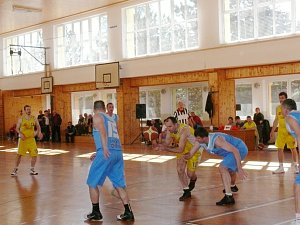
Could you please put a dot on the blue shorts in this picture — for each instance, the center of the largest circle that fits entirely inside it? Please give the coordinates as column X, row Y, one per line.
column 297, row 180
column 113, row 168
column 229, row 160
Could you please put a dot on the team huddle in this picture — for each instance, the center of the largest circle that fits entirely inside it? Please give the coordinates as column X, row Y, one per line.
column 188, row 144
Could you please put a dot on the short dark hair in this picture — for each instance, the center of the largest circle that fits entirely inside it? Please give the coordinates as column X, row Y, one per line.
column 201, row 132
column 237, row 118
column 26, row 106
column 248, row 117
column 99, row 105
column 110, row 103
column 283, row 93
column 172, row 118
column 290, row 104
column 230, row 118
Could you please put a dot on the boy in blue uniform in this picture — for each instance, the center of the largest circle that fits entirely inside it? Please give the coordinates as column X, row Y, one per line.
column 233, row 150
column 292, row 119
column 107, row 162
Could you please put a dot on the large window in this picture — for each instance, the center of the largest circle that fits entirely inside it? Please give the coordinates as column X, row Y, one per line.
column 152, row 100
column 252, row 19
column 192, row 97
column 81, row 42
column 159, row 27
column 243, row 94
column 295, row 92
column 83, row 102
column 22, row 59
column 274, row 89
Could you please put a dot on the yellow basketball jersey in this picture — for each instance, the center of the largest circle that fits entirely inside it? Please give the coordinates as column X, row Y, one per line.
column 27, row 127
column 190, row 140
column 281, row 120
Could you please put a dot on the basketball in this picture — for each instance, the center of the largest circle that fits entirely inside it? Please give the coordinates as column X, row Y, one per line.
column 150, row 134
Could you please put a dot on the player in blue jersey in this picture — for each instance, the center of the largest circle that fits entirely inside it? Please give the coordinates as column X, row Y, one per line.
column 107, row 162
column 233, row 150
column 292, row 119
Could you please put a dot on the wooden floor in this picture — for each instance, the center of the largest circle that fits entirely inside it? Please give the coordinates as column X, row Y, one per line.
column 59, row 194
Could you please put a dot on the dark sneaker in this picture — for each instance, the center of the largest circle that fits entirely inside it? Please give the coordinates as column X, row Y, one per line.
column 94, row 216
column 33, row 172
column 192, row 184
column 233, row 189
column 127, row 216
column 14, row 173
column 227, row 200
column 186, row 195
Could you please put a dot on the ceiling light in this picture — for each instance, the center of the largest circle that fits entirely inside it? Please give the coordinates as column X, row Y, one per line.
column 20, row 8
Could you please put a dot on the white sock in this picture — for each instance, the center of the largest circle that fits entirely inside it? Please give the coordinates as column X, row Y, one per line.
column 229, row 194
column 280, row 165
column 297, row 216
column 232, row 185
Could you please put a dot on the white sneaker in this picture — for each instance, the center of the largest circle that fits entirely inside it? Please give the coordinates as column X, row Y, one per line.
column 279, row 170
column 14, row 173
column 295, row 222
column 296, row 168
column 33, row 172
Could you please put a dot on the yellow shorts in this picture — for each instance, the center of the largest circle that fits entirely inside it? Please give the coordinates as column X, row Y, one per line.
column 285, row 138
column 192, row 163
column 28, row 145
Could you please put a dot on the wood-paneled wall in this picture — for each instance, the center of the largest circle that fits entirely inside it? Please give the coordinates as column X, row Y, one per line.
column 221, row 83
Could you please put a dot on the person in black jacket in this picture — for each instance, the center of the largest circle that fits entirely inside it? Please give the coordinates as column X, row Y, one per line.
column 70, row 132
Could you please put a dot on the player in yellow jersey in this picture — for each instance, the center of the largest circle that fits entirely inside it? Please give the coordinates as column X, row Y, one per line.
column 25, row 128
column 283, row 138
column 183, row 136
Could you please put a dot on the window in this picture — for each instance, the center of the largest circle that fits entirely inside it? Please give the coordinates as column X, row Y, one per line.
column 192, row 98
column 274, row 89
column 153, row 105
column 160, row 26
column 83, row 102
column 295, row 92
column 21, row 59
column 243, row 94
column 253, row 19
column 81, row 42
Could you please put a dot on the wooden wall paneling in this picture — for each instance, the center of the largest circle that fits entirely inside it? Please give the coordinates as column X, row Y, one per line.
column 263, row 70
column 2, row 131
column 12, row 106
column 226, row 98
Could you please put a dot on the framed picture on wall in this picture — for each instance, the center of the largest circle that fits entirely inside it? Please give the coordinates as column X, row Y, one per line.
column 47, row 85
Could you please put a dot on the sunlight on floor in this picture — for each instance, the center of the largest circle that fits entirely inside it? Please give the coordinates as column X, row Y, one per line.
column 250, row 165
column 139, row 157
column 42, row 151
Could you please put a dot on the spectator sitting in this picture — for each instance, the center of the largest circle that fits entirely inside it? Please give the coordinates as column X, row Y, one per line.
column 195, row 121
column 238, row 122
column 13, row 135
column 70, row 132
column 250, row 124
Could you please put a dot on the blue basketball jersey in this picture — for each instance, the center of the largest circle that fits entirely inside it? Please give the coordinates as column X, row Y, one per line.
column 220, row 151
column 295, row 115
column 112, row 134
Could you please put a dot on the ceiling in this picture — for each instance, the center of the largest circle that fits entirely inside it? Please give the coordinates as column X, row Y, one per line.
column 40, row 11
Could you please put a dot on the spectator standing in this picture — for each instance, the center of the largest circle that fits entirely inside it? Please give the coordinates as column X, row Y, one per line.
column 56, row 122
column 181, row 114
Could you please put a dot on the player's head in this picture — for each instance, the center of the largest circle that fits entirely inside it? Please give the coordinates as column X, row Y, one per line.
column 110, row 108
column 99, row 106
column 171, row 124
column 27, row 109
column 282, row 96
column 201, row 135
column 288, row 105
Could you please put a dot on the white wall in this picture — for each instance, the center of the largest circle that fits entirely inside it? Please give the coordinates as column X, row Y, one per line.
column 210, row 55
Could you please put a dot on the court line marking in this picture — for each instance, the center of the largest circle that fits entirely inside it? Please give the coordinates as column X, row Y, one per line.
column 240, row 210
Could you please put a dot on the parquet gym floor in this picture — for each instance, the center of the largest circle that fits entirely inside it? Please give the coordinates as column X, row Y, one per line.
column 59, row 195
